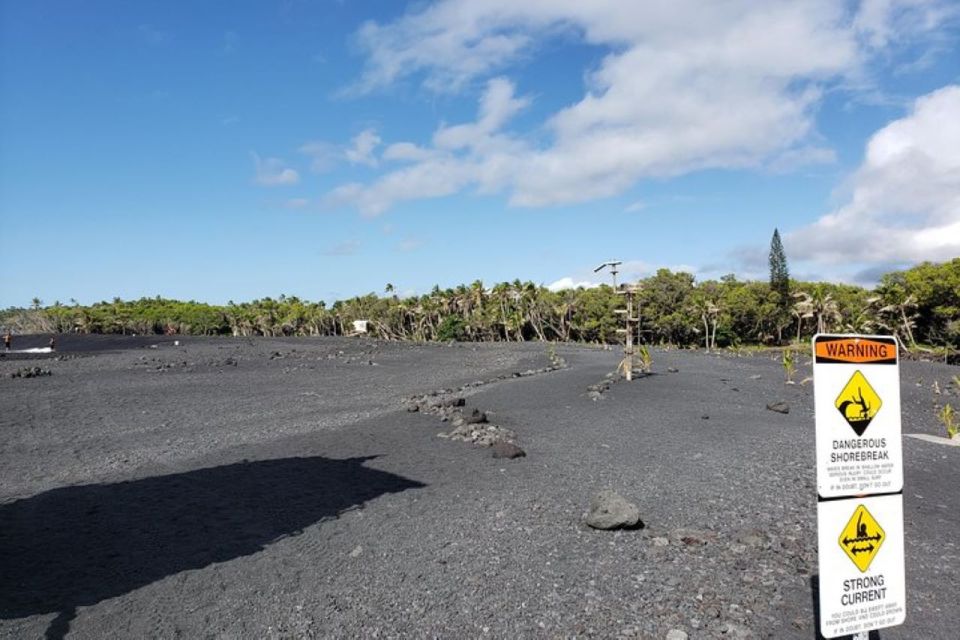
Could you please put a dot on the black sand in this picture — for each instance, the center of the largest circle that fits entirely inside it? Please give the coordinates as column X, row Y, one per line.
column 278, row 488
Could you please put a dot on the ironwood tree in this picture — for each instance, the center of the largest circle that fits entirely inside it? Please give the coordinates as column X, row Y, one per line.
column 779, row 278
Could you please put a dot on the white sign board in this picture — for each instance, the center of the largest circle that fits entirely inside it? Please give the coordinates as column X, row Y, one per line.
column 857, row 401
column 860, row 551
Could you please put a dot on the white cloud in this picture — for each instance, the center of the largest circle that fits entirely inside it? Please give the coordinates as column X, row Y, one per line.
column 904, row 205
column 627, row 271
column 569, row 283
column 362, row 148
column 323, row 155
column 271, row 172
column 882, row 22
column 633, row 207
column 684, row 86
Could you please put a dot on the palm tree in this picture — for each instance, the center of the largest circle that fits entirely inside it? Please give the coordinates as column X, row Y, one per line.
column 802, row 308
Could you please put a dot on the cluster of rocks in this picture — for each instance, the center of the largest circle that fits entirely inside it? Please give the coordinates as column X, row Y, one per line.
column 474, row 426
column 31, row 372
column 157, row 364
column 365, row 356
column 468, row 426
column 475, row 429
column 595, row 391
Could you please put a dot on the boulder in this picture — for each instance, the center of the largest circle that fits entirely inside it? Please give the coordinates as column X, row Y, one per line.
column 610, row 510
column 507, row 450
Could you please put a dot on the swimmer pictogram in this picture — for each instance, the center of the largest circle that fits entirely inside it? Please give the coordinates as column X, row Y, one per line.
column 861, row 538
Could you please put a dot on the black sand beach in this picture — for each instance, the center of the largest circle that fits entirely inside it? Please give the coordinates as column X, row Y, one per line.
column 280, row 488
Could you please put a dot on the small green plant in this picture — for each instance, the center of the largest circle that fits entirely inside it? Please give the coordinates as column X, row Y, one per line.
column 789, row 365
column 948, row 417
column 646, row 360
column 956, row 382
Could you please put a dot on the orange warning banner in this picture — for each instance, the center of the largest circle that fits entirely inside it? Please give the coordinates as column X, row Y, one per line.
column 856, row 350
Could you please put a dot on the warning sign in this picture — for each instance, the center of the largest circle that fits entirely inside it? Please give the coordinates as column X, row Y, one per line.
column 858, row 403
column 859, row 455
column 861, row 538
column 856, row 395
column 856, row 349
column 862, row 585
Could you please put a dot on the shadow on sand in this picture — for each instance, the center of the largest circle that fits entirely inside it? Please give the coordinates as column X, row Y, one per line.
column 76, row 546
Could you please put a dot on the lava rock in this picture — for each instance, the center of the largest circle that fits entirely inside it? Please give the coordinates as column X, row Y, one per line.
column 610, row 510
column 31, row 372
column 507, row 450
column 779, row 407
column 476, row 417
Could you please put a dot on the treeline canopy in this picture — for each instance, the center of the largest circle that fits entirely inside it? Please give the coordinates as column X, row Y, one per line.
column 920, row 305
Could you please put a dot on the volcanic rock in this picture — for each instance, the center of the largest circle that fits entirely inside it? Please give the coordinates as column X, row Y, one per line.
column 779, row 407
column 610, row 510
column 507, row 450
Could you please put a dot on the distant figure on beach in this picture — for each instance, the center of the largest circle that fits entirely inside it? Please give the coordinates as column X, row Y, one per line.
column 53, row 343
column 7, row 339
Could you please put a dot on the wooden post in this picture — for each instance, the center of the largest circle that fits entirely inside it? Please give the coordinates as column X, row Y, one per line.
column 631, row 322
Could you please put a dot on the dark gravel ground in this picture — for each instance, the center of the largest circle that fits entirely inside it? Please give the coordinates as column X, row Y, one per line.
column 169, row 492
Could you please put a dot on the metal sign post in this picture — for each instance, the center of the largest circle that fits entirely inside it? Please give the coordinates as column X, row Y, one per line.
column 859, row 484
column 626, row 365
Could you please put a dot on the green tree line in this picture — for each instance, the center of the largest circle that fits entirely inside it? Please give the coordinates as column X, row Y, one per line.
column 920, row 305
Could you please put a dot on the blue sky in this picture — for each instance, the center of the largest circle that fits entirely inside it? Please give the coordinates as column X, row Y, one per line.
column 225, row 150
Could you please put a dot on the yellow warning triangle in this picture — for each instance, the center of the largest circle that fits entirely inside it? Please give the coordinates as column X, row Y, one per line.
column 861, row 538
column 858, row 403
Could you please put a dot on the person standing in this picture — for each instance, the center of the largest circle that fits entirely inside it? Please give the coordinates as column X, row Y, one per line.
column 7, row 340
column 53, row 343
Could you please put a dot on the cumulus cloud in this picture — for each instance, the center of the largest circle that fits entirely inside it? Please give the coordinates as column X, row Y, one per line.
column 904, row 205
column 684, row 86
column 362, row 147
column 272, row 172
column 569, row 283
column 324, row 156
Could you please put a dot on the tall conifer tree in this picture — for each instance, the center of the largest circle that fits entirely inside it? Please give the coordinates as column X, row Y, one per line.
column 779, row 273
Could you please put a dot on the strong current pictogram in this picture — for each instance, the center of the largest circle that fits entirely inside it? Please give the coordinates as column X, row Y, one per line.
column 858, row 403
column 861, row 538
